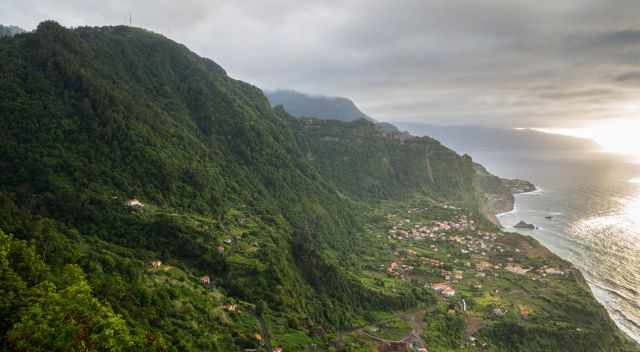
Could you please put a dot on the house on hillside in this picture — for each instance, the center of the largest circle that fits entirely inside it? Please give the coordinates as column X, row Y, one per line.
column 156, row 264
column 230, row 307
column 448, row 292
column 444, row 289
column 516, row 269
column 205, row 280
column 135, row 203
column 554, row 271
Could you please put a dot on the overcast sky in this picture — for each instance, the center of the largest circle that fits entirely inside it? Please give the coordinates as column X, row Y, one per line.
column 496, row 63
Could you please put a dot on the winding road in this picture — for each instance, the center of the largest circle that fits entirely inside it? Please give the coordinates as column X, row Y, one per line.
column 416, row 319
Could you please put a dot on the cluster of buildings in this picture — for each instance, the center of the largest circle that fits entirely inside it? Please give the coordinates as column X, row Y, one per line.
column 476, row 246
column 435, row 231
column 482, row 243
column 516, row 268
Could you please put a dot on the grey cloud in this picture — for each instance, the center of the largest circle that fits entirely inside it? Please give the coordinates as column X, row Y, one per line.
column 579, row 94
column 633, row 77
column 494, row 62
column 621, row 38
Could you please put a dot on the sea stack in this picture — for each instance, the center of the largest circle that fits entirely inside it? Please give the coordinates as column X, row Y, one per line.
column 524, row 225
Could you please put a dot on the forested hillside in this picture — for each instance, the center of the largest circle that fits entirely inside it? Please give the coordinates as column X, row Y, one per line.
column 371, row 163
column 148, row 201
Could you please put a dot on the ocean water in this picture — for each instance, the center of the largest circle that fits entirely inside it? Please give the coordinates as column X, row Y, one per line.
column 594, row 202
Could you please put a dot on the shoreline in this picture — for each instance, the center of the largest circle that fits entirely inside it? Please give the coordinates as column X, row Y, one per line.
column 513, row 210
column 612, row 312
column 514, row 207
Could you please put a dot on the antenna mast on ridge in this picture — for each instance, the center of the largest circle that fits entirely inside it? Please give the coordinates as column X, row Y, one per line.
column 130, row 19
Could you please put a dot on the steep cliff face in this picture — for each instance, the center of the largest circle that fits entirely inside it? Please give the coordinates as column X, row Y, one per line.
column 497, row 193
column 518, row 186
column 371, row 163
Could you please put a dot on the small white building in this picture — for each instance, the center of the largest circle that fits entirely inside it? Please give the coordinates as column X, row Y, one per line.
column 554, row 271
column 135, row 203
column 448, row 292
column 230, row 307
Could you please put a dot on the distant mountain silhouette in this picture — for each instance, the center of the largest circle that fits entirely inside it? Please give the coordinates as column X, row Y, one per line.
column 466, row 139
column 305, row 105
column 9, row 31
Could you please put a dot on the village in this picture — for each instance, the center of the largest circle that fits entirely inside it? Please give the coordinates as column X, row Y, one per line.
column 472, row 252
column 478, row 271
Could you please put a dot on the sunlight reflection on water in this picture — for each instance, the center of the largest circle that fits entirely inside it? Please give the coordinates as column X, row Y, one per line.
column 612, row 262
column 588, row 214
column 604, row 245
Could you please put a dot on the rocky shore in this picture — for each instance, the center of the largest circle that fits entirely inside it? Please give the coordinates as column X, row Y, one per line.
column 517, row 186
column 497, row 193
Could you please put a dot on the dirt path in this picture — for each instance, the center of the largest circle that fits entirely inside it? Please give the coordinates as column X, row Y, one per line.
column 474, row 323
column 415, row 319
column 417, row 326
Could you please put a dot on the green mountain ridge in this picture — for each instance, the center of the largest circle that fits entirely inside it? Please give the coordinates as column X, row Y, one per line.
column 304, row 105
column 372, row 163
column 256, row 228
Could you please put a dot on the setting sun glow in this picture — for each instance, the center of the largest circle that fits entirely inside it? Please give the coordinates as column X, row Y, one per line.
column 616, row 136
